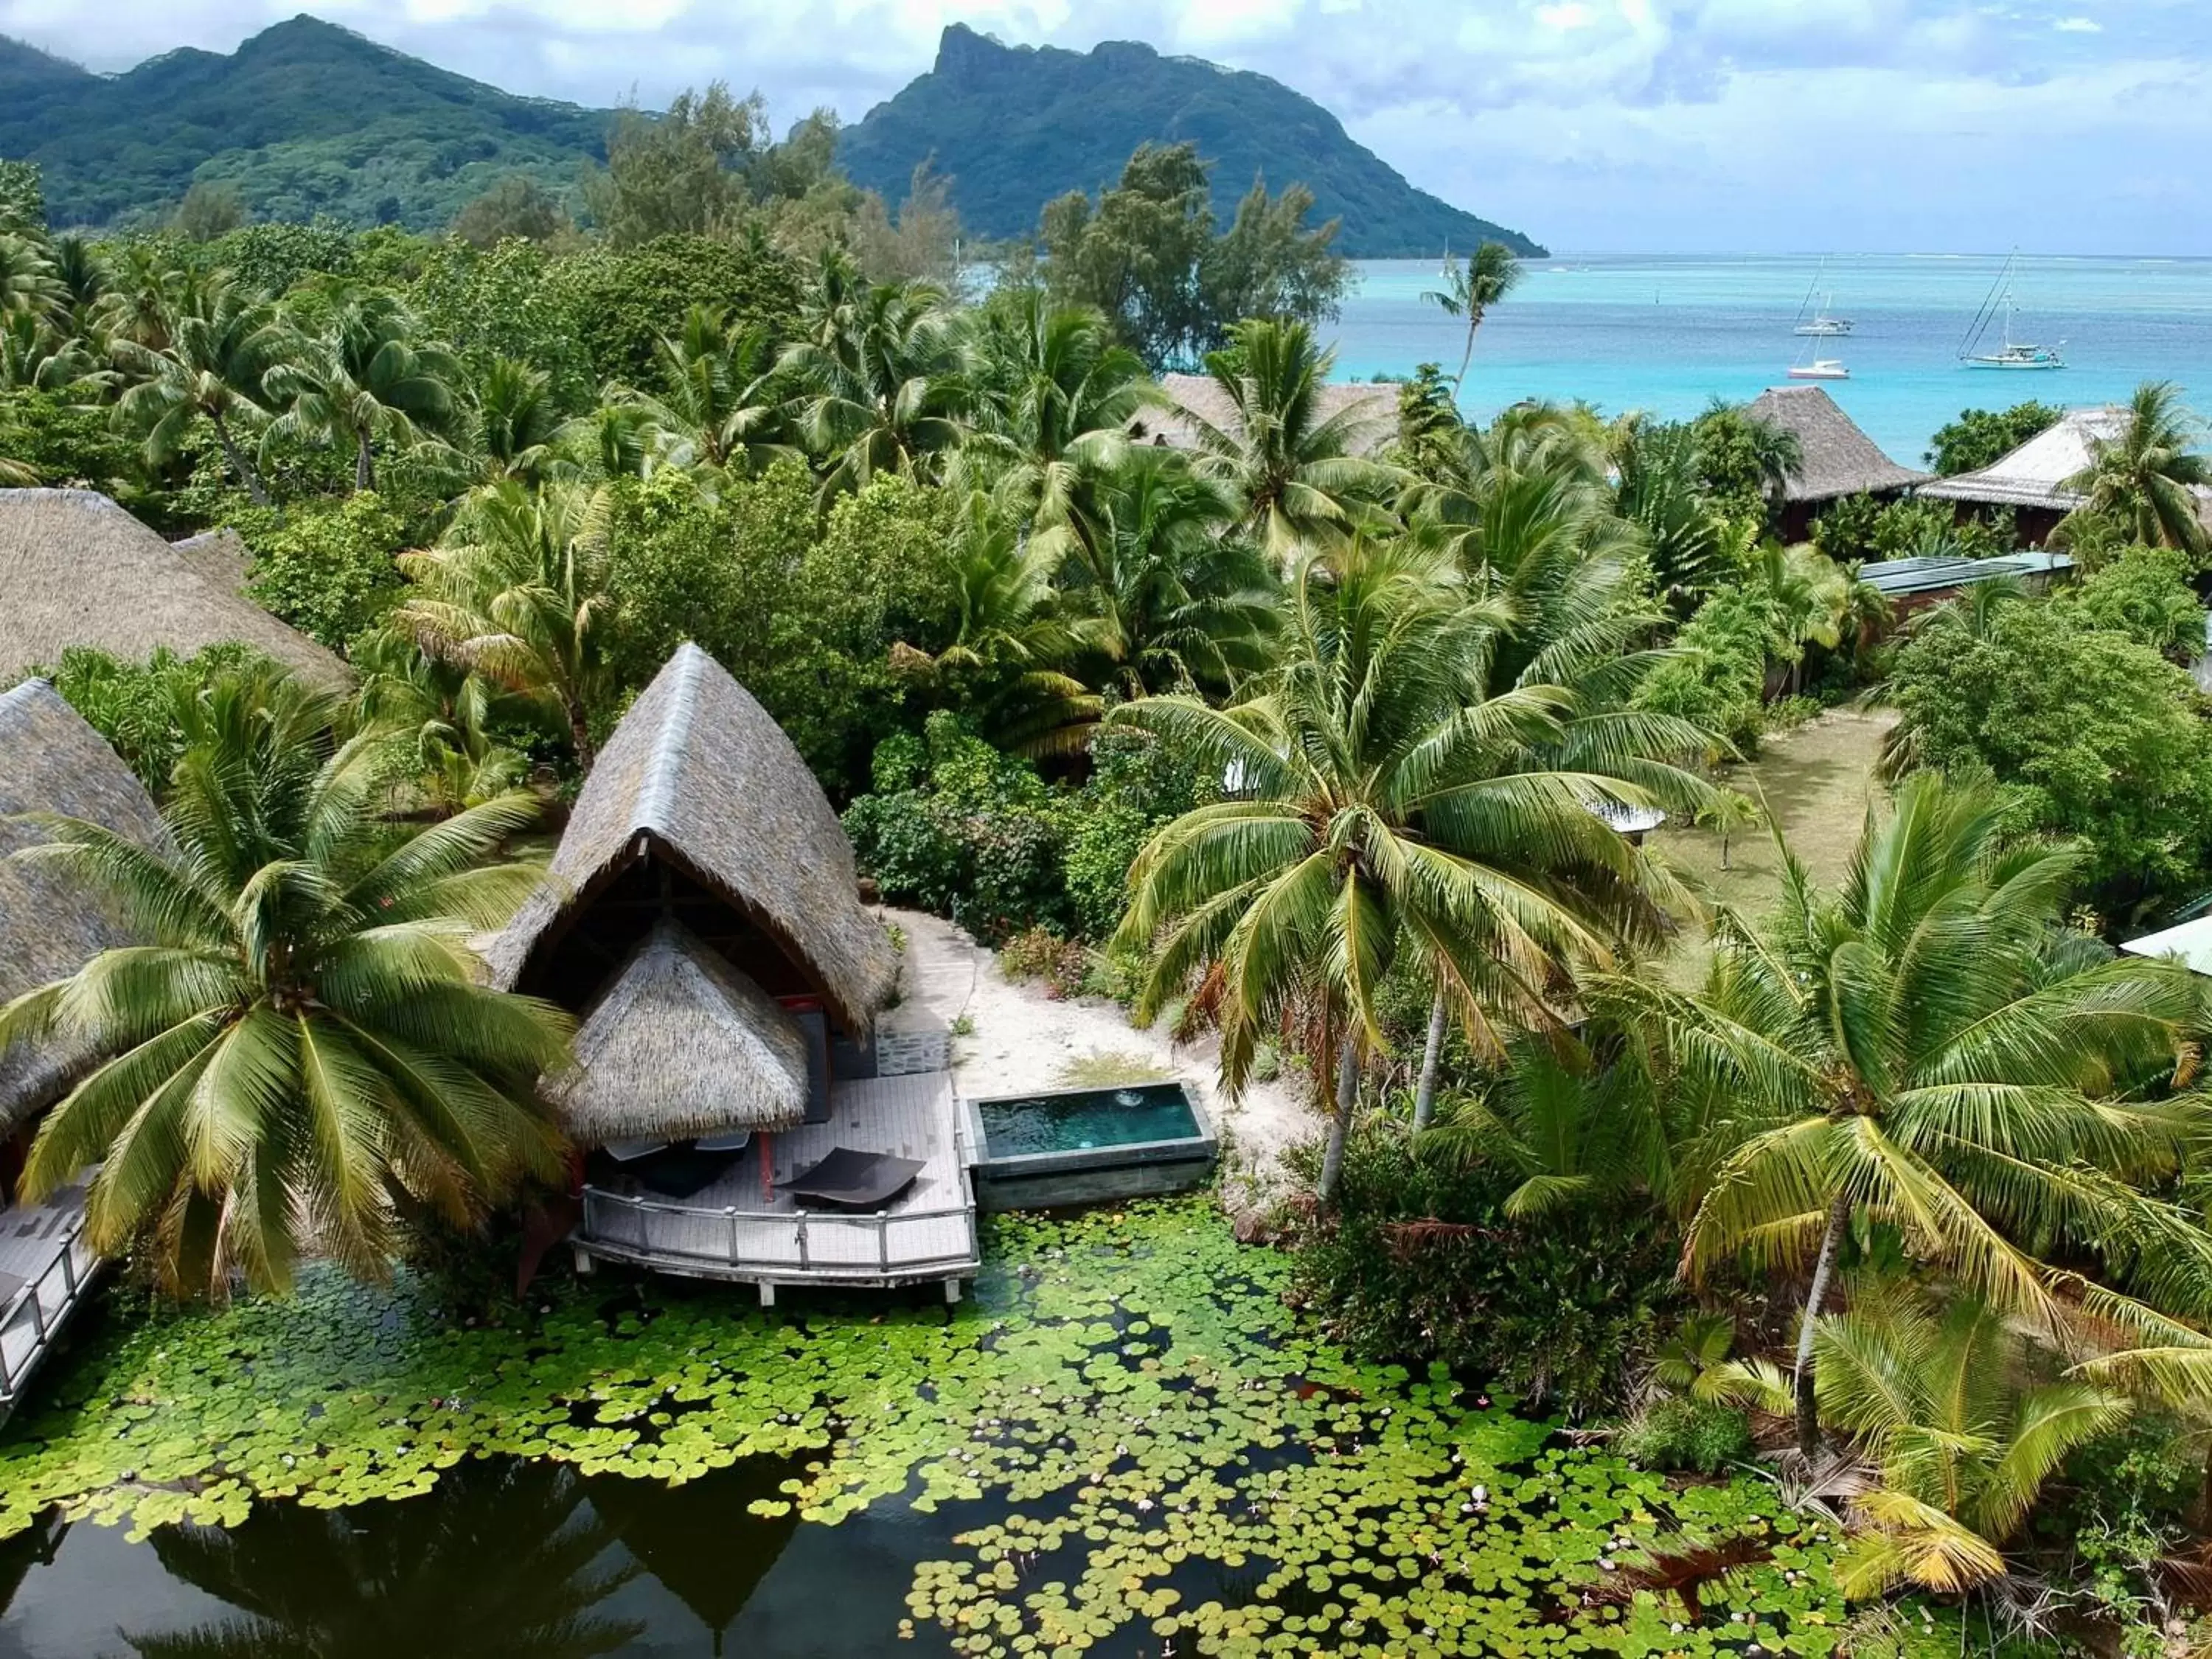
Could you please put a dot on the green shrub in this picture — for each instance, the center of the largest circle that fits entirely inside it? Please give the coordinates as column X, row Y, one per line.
column 1419, row 1261
column 328, row 568
column 135, row 706
column 1040, row 953
column 1685, row 1436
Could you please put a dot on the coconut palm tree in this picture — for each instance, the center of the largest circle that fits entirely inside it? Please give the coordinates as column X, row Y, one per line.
column 366, row 379
column 882, row 389
column 1924, row 1047
column 36, row 356
column 517, row 592
column 519, row 431
column 1492, row 272
column 299, row 1053
column 222, row 342
column 28, row 281
column 2142, row 480
column 717, row 406
column 1299, row 474
column 1378, row 802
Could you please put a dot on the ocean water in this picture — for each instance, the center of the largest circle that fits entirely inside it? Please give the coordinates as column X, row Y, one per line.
column 1668, row 334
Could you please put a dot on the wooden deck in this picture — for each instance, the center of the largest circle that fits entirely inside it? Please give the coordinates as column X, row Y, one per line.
column 46, row 1267
column 731, row 1230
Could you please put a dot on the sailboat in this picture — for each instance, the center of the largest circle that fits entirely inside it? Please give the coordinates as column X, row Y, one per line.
column 1821, row 368
column 1824, row 324
column 2010, row 354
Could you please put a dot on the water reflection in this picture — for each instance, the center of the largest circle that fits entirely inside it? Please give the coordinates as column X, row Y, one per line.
column 699, row 1540
column 497, row 1560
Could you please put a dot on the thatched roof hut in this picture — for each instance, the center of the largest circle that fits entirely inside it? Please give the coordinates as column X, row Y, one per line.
column 1836, row 457
column 50, row 761
column 681, row 1045
column 2034, row 475
column 75, row 569
column 699, row 809
column 1374, row 406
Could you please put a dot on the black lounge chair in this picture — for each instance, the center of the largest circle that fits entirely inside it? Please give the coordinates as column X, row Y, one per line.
column 847, row 1179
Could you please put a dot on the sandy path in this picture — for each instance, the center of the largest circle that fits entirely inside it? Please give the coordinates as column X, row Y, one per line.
column 1018, row 1039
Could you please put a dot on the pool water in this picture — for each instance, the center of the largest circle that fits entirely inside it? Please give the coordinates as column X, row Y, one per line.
column 1085, row 1118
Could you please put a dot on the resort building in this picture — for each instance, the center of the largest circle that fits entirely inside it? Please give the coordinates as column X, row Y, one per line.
column 1915, row 584
column 1373, row 406
column 1836, row 458
column 50, row 761
column 740, row 1111
column 2030, row 483
column 75, row 569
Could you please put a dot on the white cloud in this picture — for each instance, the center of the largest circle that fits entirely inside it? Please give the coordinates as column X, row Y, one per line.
column 2078, row 26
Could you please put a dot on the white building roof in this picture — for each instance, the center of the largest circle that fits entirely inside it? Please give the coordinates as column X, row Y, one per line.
column 2191, row 941
column 2035, row 474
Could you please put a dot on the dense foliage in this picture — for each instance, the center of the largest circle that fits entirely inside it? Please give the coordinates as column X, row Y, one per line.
column 1981, row 437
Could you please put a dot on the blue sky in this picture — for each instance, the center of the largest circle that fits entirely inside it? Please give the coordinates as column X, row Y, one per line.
column 1693, row 125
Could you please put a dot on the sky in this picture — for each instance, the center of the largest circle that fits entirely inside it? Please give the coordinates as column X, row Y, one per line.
column 2065, row 126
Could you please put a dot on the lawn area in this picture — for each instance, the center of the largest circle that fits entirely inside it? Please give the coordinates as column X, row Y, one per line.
column 1814, row 783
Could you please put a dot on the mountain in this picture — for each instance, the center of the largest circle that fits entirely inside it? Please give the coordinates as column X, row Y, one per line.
column 304, row 118
column 1012, row 127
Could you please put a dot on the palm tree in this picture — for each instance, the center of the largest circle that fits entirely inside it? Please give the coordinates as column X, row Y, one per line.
column 882, row 392
column 517, row 592
column 1658, row 490
column 1170, row 600
column 1491, row 273
column 1378, row 802
column 717, row 406
column 1924, row 1047
column 366, row 381
column 221, row 345
column 28, row 281
column 437, row 721
column 2143, row 479
column 519, row 429
column 1298, row 474
column 299, row 1050
column 36, row 356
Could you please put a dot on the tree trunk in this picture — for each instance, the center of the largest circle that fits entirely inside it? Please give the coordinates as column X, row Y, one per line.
column 1808, row 1414
column 1340, row 1125
column 1474, row 322
column 247, row 477
column 364, row 464
column 1724, row 845
column 580, row 736
column 1424, row 1094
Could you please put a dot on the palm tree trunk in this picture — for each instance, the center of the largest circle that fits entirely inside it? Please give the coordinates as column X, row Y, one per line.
column 1424, row 1093
column 579, row 738
column 247, row 477
column 1808, row 1414
column 1340, row 1125
column 1474, row 322
column 364, row 464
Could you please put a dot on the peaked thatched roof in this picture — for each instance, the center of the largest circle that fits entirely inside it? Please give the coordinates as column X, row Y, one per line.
column 681, row 1045
column 697, row 767
column 219, row 557
column 1375, row 405
column 76, row 570
column 2035, row 474
column 50, row 761
column 1836, row 457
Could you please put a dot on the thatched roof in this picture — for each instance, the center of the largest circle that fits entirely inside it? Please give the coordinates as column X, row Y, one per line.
column 76, row 570
column 681, row 1045
column 219, row 557
column 699, row 771
column 1375, row 406
column 50, row 761
column 2035, row 474
column 1836, row 457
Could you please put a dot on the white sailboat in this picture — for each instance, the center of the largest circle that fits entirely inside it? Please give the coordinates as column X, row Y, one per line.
column 1823, row 323
column 1821, row 368
column 2010, row 354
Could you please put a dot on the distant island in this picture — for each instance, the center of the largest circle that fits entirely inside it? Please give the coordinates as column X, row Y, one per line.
column 1013, row 127
column 307, row 120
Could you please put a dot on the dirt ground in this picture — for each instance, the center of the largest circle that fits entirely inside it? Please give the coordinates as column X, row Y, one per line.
column 1814, row 783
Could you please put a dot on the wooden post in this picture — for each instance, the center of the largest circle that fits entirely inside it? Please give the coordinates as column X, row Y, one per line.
column 767, row 1294
column 768, row 1168
column 952, row 1290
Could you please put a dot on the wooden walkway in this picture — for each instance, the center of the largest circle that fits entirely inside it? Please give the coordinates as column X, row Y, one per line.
column 731, row 1230
column 45, row 1268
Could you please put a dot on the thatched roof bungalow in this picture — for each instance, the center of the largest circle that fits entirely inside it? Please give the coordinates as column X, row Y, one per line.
column 702, row 875
column 2031, row 481
column 1373, row 407
column 1837, row 459
column 75, row 569
column 51, row 761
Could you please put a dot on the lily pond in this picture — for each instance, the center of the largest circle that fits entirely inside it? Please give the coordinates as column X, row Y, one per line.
column 1123, row 1443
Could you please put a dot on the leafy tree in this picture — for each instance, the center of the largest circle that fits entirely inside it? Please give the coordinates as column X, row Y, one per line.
column 1379, row 805
column 1744, row 463
column 517, row 593
column 209, row 210
column 1982, row 437
column 517, row 206
column 2144, row 480
column 1146, row 254
column 1491, row 273
column 222, row 344
column 1299, row 475
column 329, row 569
column 141, row 708
column 677, row 174
column 2145, row 594
column 23, row 196
column 620, row 303
column 300, row 1046
column 272, row 259
column 367, row 378
column 1922, row 1048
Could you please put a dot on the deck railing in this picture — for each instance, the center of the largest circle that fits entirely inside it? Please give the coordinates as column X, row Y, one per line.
column 801, row 1243
column 42, row 1305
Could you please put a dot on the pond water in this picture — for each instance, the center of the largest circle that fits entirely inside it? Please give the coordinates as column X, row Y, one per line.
column 1085, row 1118
column 1124, row 1444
